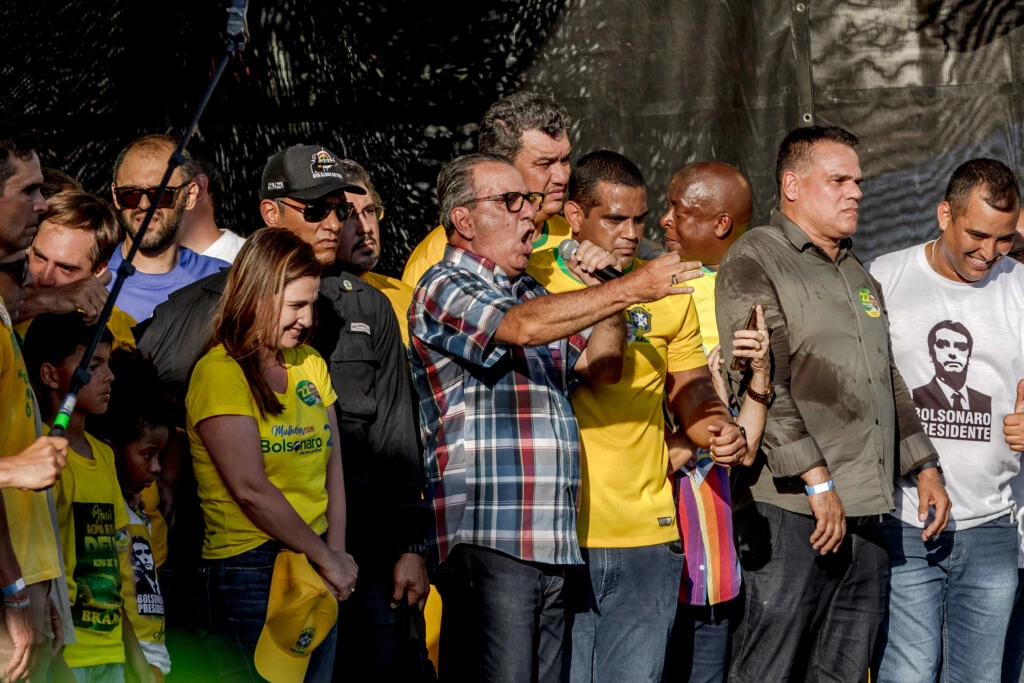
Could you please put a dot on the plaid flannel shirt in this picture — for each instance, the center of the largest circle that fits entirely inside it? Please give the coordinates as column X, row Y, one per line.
column 501, row 444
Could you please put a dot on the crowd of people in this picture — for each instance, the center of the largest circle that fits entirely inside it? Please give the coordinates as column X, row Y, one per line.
column 741, row 455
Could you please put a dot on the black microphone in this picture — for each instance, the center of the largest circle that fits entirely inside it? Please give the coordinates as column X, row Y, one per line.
column 238, row 27
column 567, row 249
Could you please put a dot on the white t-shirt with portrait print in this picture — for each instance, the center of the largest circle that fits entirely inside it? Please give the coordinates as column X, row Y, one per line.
column 960, row 349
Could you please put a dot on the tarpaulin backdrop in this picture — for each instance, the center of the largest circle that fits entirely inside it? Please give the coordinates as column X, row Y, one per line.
column 400, row 85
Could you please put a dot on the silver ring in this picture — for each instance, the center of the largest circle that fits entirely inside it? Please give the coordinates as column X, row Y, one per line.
column 674, row 281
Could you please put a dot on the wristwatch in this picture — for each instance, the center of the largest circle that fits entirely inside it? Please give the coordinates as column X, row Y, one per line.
column 931, row 464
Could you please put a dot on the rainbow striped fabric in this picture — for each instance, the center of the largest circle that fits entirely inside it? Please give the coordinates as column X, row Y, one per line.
column 712, row 572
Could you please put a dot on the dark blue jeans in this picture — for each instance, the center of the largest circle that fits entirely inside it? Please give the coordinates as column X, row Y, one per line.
column 623, row 614
column 806, row 616
column 237, row 591
column 503, row 619
column 699, row 644
column 369, row 631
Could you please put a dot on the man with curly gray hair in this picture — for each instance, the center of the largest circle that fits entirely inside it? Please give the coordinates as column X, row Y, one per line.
column 532, row 131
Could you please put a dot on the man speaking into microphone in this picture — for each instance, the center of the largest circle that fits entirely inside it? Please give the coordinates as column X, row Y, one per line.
column 624, row 607
column 494, row 358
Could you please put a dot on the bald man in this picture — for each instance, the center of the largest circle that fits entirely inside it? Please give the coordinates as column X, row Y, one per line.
column 709, row 207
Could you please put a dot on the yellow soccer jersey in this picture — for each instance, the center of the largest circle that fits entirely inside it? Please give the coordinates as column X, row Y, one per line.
column 295, row 444
column 120, row 326
column 704, row 299
column 31, row 528
column 398, row 293
column 94, row 533
column 431, row 250
column 626, row 495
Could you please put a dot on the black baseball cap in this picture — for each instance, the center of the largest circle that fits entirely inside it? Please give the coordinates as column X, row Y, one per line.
column 304, row 172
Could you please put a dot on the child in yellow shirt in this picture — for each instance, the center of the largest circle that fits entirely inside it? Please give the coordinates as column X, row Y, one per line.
column 90, row 510
column 137, row 425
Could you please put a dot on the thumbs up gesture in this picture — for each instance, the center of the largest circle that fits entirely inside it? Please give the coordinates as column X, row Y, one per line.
column 1013, row 424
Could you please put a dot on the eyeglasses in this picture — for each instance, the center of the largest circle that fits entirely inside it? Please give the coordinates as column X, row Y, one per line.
column 513, row 200
column 373, row 212
column 131, row 197
column 318, row 210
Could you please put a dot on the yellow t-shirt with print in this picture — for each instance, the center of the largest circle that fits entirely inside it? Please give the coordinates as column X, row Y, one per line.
column 144, row 603
column 295, row 444
column 30, row 527
column 398, row 293
column 120, row 326
column 158, row 536
column 94, row 534
column 704, row 299
column 431, row 249
column 625, row 494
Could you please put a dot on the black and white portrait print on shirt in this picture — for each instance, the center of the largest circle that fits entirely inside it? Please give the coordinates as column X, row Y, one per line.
column 147, row 588
column 948, row 408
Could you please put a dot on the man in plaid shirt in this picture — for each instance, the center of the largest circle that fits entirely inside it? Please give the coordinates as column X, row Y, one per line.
column 494, row 357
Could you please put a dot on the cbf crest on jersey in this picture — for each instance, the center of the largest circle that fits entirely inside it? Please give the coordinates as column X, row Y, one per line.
column 638, row 324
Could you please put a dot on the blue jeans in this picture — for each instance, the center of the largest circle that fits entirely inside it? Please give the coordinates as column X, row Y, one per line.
column 237, row 591
column 503, row 619
column 699, row 644
column 1013, row 657
column 623, row 615
column 949, row 602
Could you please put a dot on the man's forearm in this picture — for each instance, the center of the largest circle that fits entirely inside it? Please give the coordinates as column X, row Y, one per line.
column 556, row 316
column 696, row 404
column 35, row 302
column 10, row 570
column 601, row 362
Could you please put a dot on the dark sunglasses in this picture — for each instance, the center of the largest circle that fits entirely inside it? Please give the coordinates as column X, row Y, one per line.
column 130, row 197
column 318, row 210
column 513, row 200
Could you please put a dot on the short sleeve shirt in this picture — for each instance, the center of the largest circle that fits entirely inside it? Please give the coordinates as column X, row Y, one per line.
column 295, row 444
column 626, row 496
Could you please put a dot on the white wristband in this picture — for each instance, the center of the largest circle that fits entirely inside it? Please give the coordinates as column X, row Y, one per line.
column 819, row 488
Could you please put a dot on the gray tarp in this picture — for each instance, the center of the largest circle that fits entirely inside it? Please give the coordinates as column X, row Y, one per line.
column 400, row 85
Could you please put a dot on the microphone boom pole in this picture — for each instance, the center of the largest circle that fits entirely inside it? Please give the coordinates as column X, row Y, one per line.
column 237, row 35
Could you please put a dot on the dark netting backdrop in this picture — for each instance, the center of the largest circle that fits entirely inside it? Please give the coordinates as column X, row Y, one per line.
column 399, row 86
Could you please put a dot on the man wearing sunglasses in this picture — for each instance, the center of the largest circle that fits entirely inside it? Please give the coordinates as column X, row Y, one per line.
column 532, row 131
column 162, row 265
column 304, row 190
column 383, row 491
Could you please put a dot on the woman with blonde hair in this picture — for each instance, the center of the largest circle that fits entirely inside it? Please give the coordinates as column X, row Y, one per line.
column 261, row 423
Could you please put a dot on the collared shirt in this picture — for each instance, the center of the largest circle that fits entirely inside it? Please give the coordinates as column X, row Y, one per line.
column 952, row 394
column 839, row 399
column 501, row 444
